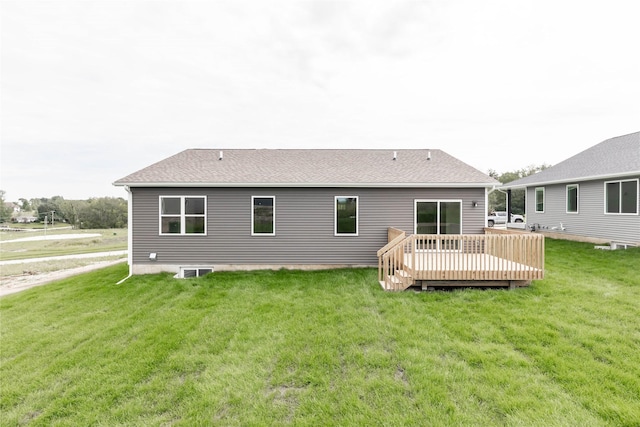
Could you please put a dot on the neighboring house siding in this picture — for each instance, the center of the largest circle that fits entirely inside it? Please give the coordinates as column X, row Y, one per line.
column 304, row 225
column 590, row 221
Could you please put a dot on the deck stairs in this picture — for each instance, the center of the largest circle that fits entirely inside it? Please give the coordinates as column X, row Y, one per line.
column 400, row 280
column 394, row 274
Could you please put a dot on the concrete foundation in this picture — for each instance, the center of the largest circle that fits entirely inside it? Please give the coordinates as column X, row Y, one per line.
column 173, row 268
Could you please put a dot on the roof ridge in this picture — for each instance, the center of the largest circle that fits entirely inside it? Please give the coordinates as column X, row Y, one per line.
column 622, row 136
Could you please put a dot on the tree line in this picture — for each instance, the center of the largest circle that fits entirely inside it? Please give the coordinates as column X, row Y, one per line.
column 99, row 212
column 111, row 212
column 498, row 199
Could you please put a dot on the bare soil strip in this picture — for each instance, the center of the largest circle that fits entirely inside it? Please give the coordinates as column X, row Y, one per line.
column 13, row 284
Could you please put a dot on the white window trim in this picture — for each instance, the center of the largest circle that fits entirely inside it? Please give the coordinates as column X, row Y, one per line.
column 566, row 194
column 335, row 216
column 182, row 215
column 535, row 199
column 438, row 201
column 253, row 233
column 620, row 181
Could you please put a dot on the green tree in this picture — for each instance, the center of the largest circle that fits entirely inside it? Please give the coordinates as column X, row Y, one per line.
column 100, row 212
column 24, row 204
column 103, row 212
column 498, row 199
column 73, row 210
column 34, row 204
column 5, row 211
column 57, row 204
column 47, row 206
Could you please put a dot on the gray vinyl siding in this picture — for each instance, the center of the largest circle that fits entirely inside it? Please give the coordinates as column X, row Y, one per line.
column 590, row 221
column 304, row 225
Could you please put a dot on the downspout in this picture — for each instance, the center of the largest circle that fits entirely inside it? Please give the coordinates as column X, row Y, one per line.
column 486, row 204
column 508, row 205
column 129, row 233
column 503, row 192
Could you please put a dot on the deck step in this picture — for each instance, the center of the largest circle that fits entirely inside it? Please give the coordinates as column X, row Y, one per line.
column 403, row 273
column 394, row 279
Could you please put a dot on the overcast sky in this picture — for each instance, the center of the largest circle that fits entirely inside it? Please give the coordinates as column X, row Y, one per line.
column 94, row 90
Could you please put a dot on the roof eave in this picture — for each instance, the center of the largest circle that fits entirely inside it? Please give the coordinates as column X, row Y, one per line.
column 574, row 179
column 308, row 185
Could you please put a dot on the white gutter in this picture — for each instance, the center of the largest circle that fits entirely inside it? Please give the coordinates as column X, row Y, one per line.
column 574, row 179
column 129, row 233
column 495, row 188
column 307, row 185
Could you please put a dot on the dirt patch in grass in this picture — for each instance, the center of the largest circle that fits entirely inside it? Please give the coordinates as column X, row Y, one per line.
column 31, row 275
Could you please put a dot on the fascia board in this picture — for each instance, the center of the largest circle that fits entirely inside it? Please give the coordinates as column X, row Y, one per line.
column 308, row 185
column 571, row 180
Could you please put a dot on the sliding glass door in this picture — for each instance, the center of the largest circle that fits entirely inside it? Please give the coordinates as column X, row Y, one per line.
column 438, row 217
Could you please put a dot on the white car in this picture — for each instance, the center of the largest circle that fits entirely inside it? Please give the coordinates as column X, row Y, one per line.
column 501, row 218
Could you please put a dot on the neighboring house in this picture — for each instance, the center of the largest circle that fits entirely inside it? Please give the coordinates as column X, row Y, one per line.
column 205, row 209
column 25, row 218
column 14, row 208
column 11, row 208
column 593, row 195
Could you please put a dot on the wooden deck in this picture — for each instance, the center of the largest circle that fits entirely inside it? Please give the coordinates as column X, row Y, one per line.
column 461, row 260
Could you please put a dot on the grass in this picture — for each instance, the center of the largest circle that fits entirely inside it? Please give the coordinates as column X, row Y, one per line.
column 48, row 266
column 326, row 348
column 109, row 240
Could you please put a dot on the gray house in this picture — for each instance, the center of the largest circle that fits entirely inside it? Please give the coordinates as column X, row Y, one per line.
column 593, row 195
column 212, row 209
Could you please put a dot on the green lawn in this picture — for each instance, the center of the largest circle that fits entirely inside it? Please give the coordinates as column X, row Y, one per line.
column 109, row 240
column 327, row 348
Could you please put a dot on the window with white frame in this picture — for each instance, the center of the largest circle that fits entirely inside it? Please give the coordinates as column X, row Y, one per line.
column 438, row 217
column 621, row 197
column 540, row 199
column 183, row 215
column 346, row 215
column 263, row 215
column 573, row 197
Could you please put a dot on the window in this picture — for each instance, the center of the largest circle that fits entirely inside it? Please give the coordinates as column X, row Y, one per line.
column 187, row 272
column 438, row 217
column 621, row 197
column 540, row 199
column 183, row 214
column 573, row 195
column 263, row 216
column 346, row 216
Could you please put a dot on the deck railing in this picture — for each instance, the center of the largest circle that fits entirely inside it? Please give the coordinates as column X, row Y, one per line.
column 503, row 257
column 391, row 255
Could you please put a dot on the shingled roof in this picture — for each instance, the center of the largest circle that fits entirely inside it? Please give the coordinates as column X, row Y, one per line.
column 308, row 168
column 613, row 158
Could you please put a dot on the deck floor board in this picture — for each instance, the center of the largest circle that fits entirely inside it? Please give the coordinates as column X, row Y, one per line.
column 431, row 265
